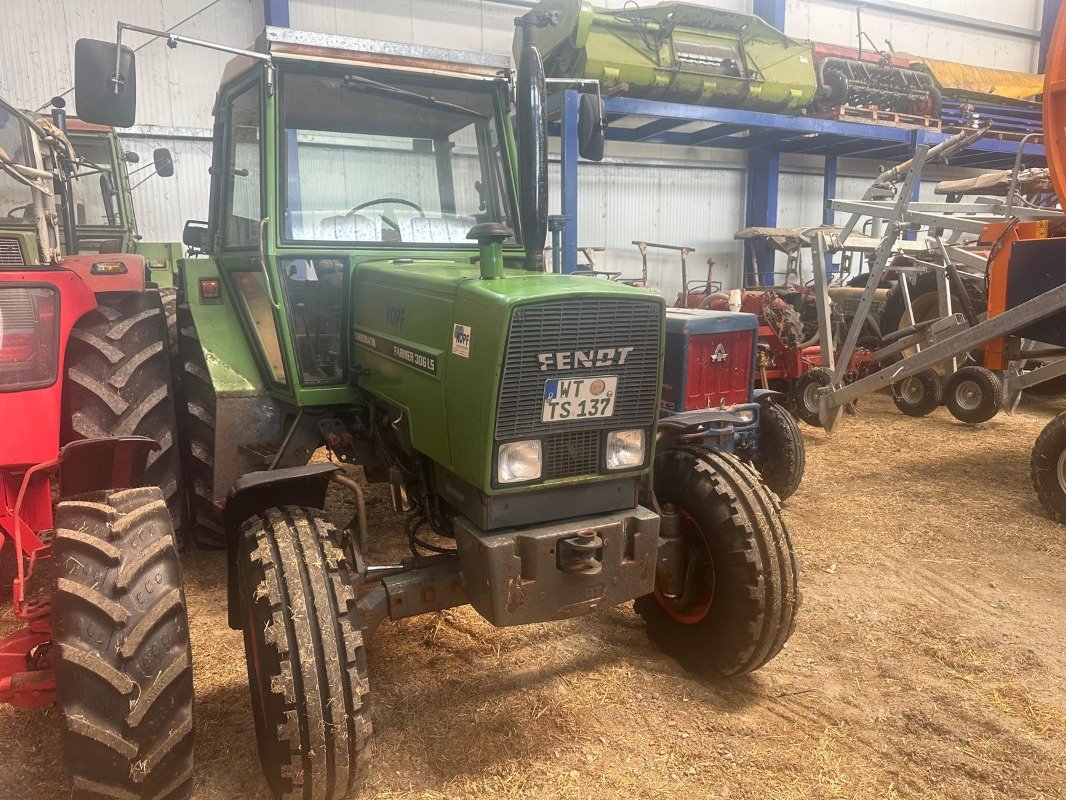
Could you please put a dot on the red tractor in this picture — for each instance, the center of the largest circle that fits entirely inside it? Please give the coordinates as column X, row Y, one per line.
column 88, row 551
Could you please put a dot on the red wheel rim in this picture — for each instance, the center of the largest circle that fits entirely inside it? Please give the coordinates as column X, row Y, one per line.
column 695, row 602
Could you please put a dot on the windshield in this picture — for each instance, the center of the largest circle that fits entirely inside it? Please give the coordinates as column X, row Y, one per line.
column 16, row 199
column 372, row 158
column 96, row 200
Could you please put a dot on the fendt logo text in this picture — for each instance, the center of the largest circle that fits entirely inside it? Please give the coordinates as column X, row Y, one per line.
column 584, row 359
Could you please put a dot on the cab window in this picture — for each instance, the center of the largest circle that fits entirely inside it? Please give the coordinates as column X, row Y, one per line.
column 241, row 173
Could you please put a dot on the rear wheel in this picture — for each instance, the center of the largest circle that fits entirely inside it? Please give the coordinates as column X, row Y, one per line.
column 123, row 665
column 1047, row 467
column 305, row 655
column 925, row 304
column 974, row 394
column 169, row 297
column 919, row 394
column 781, row 457
column 740, row 599
column 197, row 420
column 119, row 383
column 807, row 394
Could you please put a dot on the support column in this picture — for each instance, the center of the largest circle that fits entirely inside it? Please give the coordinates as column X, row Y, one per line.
column 1047, row 26
column 764, row 168
column 276, row 13
column 568, row 177
column 829, row 192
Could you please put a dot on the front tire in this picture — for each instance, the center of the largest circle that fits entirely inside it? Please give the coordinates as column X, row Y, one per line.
column 919, row 395
column 974, row 394
column 123, row 665
column 742, row 608
column 1047, row 467
column 781, row 457
column 305, row 655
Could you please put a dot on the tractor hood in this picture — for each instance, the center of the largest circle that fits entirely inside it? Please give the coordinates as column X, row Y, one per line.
column 429, row 338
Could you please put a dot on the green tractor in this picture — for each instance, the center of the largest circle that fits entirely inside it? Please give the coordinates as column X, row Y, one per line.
column 371, row 279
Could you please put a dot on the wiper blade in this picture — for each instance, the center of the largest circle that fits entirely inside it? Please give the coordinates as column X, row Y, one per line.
column 357, row 81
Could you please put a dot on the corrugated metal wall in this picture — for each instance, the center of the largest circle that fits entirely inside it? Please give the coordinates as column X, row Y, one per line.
column 643, row 192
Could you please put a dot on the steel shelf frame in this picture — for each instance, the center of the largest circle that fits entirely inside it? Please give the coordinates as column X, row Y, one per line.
column 767, row 134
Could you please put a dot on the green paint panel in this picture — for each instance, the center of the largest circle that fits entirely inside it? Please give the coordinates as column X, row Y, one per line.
column 162, row 259
column 681, row 53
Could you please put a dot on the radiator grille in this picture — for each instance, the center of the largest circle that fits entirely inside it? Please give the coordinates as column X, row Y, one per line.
column 11, row 253
column 585, row 323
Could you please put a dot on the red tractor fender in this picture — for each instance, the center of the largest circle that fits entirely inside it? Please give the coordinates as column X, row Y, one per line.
column 108, row 272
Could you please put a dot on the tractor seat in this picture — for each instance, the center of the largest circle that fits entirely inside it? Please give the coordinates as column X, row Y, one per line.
column 442, row 230
column 350, row 228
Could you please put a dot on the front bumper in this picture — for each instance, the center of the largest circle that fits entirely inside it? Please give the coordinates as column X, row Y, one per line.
column 720, row 428
column 517, row 576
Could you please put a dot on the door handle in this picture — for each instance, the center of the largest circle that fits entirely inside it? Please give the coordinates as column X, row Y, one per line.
column 263, row 264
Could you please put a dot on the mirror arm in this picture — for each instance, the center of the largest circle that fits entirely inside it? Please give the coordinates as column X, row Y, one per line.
column 173, row 39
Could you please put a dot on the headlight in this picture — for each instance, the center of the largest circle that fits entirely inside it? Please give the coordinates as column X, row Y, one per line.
column 518, row 462
column 625, row 449
column 747, row 415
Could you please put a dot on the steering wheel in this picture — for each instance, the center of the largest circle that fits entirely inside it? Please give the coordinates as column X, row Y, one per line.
column 24, row 211
column 387, row 201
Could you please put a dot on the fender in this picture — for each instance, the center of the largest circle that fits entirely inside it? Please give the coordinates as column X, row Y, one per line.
column 131, row 280
column 257, row 491
column 758, row 395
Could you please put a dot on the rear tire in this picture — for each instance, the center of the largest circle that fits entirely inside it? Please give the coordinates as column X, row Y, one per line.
column 123, row 664
column 919, row 395
column 197, row 421
column 746, row 567
column 1047, row 467
column 781, row 457
column 119, row 383
column 974, row 395
column 305, row 655
column 806, row 394
column 168, row 295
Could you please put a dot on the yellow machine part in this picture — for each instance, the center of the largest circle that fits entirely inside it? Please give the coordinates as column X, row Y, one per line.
column 983, row 80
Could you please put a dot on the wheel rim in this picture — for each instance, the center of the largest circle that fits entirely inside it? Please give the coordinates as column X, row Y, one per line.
column 810, row 397
column 1060, row 471
column 968, row 395
column 911, row 390
column 698, row 597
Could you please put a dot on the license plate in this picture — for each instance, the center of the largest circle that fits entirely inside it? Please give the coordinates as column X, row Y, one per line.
column 568, row 399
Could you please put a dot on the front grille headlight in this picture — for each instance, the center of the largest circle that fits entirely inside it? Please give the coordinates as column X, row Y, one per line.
column 625, row 449
column 518, row 462
column 747, row 415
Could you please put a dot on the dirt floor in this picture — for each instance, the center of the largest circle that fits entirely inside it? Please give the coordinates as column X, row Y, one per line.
column 928, row 661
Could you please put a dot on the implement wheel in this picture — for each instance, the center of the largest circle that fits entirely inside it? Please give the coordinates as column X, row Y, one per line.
column 123, row 665
column 1047, row 467
column 918, row 395
column 781, row 456
column 806, row 394
column 119, row 383
column 305, row 655
column 740, row 599
column 974, row 394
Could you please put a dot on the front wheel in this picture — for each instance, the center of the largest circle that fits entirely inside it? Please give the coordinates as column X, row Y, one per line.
column 740, row 597
column 1047, row 467
column 305, row 655
column 781, row 457
column 974, row 394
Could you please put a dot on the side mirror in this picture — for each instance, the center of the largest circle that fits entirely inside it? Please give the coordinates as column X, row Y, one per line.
column 96, row 81
column 164, row 162
column 591, row 127
column 195, row 235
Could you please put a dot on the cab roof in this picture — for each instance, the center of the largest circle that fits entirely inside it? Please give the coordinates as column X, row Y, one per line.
column 297, row 45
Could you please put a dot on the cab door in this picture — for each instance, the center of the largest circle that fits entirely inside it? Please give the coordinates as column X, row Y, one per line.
column 243, row 251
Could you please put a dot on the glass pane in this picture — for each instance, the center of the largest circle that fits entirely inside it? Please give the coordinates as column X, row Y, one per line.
column 95, row 196
column 15, row 198
column 252, row 292
column 243, row 197
column 314, row 289
column 381, row 159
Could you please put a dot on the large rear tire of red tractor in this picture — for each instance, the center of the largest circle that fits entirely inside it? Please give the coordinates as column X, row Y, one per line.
column 197, row 421
column 119, row 383
column 925, row 302
column 1047, row 467
column 123, row 662
column 781, row 457
column 305, row 655
column 741, row 597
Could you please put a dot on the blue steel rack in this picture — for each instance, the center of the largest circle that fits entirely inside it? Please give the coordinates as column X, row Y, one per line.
column 765, row 136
